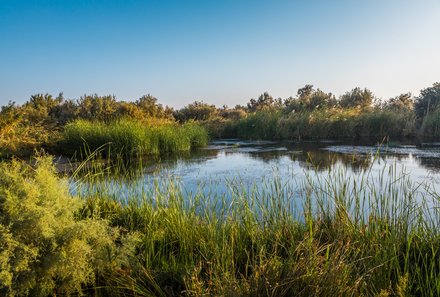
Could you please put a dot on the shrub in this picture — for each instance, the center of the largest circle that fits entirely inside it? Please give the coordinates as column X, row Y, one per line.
column 356, row 98
column 44, row 250
column 347, row 123
column 197, row 111
column 17, row 135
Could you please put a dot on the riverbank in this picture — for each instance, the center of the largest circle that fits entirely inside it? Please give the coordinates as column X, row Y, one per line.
column 144, row 126
column 123, row 137
column 343, row 238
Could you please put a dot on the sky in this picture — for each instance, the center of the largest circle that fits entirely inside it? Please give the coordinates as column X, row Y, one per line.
column 219, row 52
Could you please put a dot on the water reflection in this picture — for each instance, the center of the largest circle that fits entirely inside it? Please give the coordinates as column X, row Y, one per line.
column 432, row 164
column 320, row 160
column 250, row 163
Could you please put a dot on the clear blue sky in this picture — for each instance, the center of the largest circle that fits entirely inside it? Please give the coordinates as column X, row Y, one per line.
column 221, row 52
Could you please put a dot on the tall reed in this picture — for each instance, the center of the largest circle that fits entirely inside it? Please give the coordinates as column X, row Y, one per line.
column 431, row 125
column 259, row 125
column 324, row 235
column 332, row 123
column 131, row 138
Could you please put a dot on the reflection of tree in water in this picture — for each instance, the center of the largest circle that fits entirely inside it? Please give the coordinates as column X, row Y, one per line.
column 308, row 155
column 268, row 156
column 311, row 156
column 432, row 164
column 197, row 156
column 187, row 158
column 321, row 160
column 119, row 168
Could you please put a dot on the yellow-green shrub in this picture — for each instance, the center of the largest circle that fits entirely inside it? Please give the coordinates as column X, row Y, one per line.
column 17, row 135
column 44, row 249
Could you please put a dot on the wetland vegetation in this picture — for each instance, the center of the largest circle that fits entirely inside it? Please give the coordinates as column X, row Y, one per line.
column 61, row 126
column 158, row 206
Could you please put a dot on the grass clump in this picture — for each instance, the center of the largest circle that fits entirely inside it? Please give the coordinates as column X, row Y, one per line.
column 132, row 138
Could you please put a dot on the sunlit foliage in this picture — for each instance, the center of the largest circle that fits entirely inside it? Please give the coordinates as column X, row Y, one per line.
column 44, row 249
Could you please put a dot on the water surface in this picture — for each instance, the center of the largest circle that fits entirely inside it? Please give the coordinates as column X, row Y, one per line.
column 253, row 165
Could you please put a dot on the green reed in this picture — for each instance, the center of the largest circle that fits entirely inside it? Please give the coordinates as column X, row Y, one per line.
column 363, row 235
column 325, row 124
column 320, row 234
column 130, row 138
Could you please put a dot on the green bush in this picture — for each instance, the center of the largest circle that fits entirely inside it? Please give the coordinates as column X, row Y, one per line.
column 18, row 136
column 44, row 249
column 197, row 111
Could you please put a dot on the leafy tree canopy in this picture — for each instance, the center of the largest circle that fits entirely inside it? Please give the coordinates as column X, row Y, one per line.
column 428, row 101
column 357, row 98
column 198, row 111
column 403, row 102
column 264, row 102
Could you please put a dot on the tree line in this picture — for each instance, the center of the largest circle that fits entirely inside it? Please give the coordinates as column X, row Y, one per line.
column 311, row 113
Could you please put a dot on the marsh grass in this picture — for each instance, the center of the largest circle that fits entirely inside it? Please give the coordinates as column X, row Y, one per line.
column 431, row 125
column 130, row 138
column 368, row 235
column 332, row 123
column 258, row 125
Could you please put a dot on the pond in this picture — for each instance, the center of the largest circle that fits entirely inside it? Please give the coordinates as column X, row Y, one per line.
column 229, row 165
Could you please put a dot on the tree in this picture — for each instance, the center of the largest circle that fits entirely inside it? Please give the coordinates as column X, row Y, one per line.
column 9, row 113
column 305, row 92
column 94, row 107
column 310, row 99
column 44, row 102
column 265, row 101
column 403, row 102
column 320, row 99
column 357, row 98
column 65, row 112
column 40, row 108
column 428, row 101
column 149, row 106
column 198, row 111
